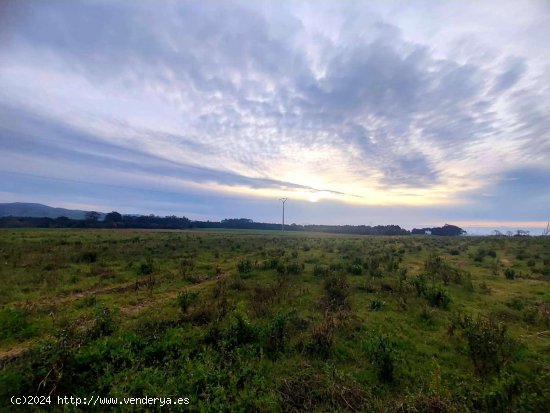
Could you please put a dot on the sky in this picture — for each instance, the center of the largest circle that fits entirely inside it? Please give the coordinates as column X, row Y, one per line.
column 415, row 113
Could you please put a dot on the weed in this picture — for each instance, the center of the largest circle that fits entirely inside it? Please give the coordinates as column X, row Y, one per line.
column 376, row 305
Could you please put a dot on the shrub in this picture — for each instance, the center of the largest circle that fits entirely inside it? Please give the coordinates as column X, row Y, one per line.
column 467, row 283
column 14, row 324
column 320, row 271
column 437, row 269
column 237, row 283
column 87, row 301
column 437, row 297
column 375, row 272
column 103, row 323
column 145, row 267
column 337, row 292
column 327, row 390
column 323, row 337
column 538, row 313
column 484, row 288
column 335, row 266
column 241, row 332
column 185, row 299
column 510, row 274
column 356, row 269
column 489, row 346
column 88, row 256
column 431, row 401
column 420, row 284
column 186, row 265
column 244, row 266
column 271, row 264
column 381, row 354
column 427, row 315
column 276, row 334
column 294, row 268
column 376, row 305
column 516, row 303
column 202, row 314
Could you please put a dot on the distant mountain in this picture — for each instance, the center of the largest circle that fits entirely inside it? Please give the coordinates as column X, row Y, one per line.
column 22, row 209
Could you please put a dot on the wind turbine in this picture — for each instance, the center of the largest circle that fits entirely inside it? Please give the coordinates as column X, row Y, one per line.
column 283, row 200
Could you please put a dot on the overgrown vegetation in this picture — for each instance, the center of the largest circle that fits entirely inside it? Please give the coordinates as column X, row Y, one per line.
column 260, row 321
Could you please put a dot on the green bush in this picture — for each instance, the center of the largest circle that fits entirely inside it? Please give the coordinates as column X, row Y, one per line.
column 241, row 332
column 104, row 323
column 145, row 267
column 320, row 271
column 186, row 265
column 420, row 284
column 437, row 297
column 484, row 288
column 185, row 299
column 382, row 355
column 489, row 346
column 326, row 390
column 276, row 334
column 244, row 266
column 271, row 264
column 323, row 337
column 516, row 303
column 294, row 268
column 356, row 269
column 14, row 324
column 337, row 292
column 376, row 305
column 88, row 256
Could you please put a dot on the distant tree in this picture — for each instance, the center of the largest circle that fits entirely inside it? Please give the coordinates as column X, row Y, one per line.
column 446, row 230
column 113, row 217
column 63, row 222
column 92, row 216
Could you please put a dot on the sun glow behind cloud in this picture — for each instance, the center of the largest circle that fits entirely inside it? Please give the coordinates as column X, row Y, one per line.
column 363, row 104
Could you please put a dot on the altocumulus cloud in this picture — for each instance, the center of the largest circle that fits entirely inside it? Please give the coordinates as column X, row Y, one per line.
column 407, row 106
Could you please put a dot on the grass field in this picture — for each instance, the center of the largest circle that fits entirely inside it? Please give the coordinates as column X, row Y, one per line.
column 262, row 321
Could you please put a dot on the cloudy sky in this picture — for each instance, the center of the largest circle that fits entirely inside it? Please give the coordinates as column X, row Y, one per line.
column 360, row 112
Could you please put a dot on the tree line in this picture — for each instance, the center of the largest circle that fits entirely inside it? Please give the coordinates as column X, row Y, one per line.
column 117, row 220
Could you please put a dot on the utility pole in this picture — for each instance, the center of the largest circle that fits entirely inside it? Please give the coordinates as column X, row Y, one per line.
column 283, row 200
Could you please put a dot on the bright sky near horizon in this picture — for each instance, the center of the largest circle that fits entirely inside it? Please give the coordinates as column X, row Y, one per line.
column 360, row 112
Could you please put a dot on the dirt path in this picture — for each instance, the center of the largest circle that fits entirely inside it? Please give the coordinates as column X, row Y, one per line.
column 171, row 295
column 20, row 349
column 15, row 352
column 44, row 302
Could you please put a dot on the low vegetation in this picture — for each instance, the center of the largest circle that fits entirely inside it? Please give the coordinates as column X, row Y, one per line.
column 262, row 321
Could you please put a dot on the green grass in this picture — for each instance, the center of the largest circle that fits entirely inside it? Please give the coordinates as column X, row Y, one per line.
column 263, row 321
